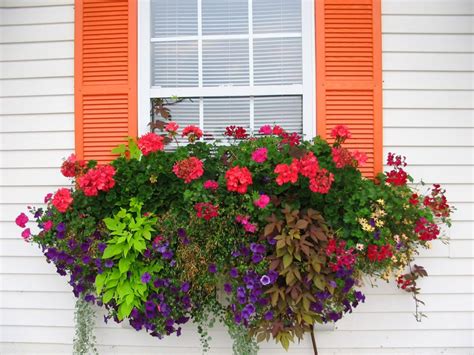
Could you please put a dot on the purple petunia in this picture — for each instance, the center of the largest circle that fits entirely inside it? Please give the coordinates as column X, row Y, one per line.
column 185, row 287
column 265, row 280
column 268, row 315
column 109, row 263
column 146, row 277
column 227, row 288
column 233, row 273
column 212, row 268
column 101, row 247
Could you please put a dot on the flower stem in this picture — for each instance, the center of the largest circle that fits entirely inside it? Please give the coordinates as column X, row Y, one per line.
column 313, row 340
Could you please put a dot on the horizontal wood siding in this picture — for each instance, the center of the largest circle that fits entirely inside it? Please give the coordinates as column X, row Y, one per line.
column 428, row 50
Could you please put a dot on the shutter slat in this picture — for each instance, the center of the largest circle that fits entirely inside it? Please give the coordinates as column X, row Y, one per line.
column 105, row 76
column 349, row 74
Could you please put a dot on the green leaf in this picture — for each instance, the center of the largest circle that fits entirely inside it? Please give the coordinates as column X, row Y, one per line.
column 287, row 260
column 124, row 289
column 124, row 310
column 112, row 250
column 121, row 149
column 124, row 265
column 110, row 223
column 99, row 282
column 130, row 298
column 139, row 245
column 108, row 295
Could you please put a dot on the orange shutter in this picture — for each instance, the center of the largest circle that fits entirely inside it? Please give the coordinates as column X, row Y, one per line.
column 349, row 74
column 105, row 72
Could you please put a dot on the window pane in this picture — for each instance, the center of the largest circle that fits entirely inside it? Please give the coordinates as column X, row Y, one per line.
column 285, row 111
column 173, row 18
column 222, row 112
column 277, row 61
column 276, row 16
column 175, row 64
column 225, row 62
column 224, row 17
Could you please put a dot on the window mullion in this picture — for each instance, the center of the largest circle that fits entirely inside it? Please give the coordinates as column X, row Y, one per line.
column 251, row 76
column 200, row 71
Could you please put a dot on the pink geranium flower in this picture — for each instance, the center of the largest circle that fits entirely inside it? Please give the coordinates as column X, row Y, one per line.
column 267, row 130
column 211, row 185
column 21, row 220
column 260, row 155
column 48, row 197
column 26, row 233
column 262, row 201
column 47, row 225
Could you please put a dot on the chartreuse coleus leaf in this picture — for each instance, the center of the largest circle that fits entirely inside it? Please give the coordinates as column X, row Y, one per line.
column 130, row 231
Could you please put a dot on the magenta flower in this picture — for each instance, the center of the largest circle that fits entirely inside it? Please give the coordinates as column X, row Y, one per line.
column 21, row 220
column 47, row 225
column 267, row 129
column 26, row 233
column 260, row 155
column 262, row 201
column 48, row 197
column 211, row 185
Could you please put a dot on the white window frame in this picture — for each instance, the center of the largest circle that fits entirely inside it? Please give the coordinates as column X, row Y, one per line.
column 306, row 89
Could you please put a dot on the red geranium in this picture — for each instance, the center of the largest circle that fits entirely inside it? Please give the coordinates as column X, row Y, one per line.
column 150, row 143
column 426, row 230
column 309, row 165
column 98, row 179
column 238, row 179
column 62, row 199
column 414, row 199
column 287, row 173
column 72, row 167
column 188, row 169
column 376, row 254
column 321, row 182
column 341, row 157
column 340, row 132
column 192, row 132
column 437, row 202
column 236, row 132
column 171, row 127
column 397, row 176
column 206, row 210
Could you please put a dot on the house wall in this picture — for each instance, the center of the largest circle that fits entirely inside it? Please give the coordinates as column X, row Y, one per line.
column 428, row 116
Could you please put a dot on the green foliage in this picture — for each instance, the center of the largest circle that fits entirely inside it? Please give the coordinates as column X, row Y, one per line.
column 122, row 283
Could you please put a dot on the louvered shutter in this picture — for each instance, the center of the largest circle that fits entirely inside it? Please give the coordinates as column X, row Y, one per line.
column 105, row 76
column 349, row 74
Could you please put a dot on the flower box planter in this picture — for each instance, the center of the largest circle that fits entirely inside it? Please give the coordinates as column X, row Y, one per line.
column 286, row 228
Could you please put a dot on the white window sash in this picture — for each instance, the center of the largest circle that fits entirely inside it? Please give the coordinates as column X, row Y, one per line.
column 306, row 89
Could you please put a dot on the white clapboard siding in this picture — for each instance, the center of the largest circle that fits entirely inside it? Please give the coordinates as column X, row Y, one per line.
column 428, row 76
column 428, row 81
column 41, row 69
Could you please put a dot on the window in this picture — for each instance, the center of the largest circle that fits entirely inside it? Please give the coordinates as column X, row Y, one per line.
column 241, row 62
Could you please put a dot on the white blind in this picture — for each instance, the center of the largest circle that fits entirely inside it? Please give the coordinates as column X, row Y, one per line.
column 270, row 16
column 277, row 61
column 171, row 18
column 224, row 17
column 249, row 51
column 285, row 111
column 225, row 62
column 175, row 64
